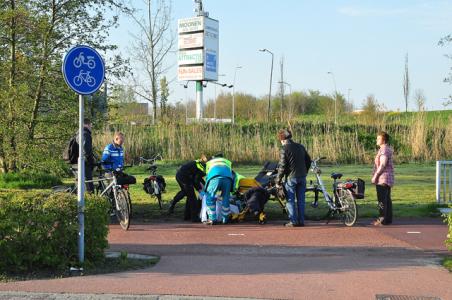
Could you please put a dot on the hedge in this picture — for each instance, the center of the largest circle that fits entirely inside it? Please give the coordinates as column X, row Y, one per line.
column 449, row 235
column 39, row 230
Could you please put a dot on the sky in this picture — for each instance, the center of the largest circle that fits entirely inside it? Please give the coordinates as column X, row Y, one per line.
column 363, row 43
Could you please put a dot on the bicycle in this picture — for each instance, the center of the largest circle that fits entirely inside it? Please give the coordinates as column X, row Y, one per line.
column 341, row 203
column 84, row 77
column 155, row 184
column 117, row 194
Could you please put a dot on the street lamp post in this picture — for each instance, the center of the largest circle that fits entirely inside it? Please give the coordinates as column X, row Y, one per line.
column 335, row 97
column 270, row 91
column 233, row 93
column 348, row 99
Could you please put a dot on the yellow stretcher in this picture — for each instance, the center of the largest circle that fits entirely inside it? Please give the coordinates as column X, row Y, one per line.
column 246, row 184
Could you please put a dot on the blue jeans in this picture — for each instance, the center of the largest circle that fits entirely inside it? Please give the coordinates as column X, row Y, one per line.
column 215, row 185
column 296, row 187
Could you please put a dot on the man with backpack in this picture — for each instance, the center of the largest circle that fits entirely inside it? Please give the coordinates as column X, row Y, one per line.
column 71, row 154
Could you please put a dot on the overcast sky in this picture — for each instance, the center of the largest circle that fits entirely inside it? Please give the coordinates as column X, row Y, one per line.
column 362, row 42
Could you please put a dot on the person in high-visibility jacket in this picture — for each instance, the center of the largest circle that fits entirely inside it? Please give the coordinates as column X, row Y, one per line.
column 236, row 179
column 219, row 179
column 190, row 177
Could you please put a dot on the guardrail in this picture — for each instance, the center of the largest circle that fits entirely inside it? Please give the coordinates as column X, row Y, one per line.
column 443, row 181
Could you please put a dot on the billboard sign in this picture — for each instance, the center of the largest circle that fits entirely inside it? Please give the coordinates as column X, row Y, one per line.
column 192, row 40
column 190, row 73
column 191, row 25
column 198, row 55
column 211, row 49
column 190, row 57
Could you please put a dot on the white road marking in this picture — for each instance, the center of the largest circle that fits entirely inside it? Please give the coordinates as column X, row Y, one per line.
column 413, row 232
column 236, row 234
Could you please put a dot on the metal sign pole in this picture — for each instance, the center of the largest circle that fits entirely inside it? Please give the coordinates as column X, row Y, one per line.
column 81, row 185
column 199, row 101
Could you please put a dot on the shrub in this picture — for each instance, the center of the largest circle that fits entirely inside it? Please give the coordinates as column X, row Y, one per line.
column 449, row 235
column 28, row 180
column 40, row 230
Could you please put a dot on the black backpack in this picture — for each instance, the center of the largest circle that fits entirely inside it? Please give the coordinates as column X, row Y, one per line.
column 70, row 153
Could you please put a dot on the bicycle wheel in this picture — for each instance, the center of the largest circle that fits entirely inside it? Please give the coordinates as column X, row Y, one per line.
column 123, row 208
column 159, row 200
column 347, row 209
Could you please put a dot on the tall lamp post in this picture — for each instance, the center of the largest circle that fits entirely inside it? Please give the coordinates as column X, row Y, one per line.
column 233, row 93
column 348, row 98
column 335, row 97
column 270, row 92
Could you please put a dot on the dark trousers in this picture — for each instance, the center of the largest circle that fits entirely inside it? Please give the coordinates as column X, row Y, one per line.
column 89, row 186
column 384, row 203
column 89, row 176
column 192, row 205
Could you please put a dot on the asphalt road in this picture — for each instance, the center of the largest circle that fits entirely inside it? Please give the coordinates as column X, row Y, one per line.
column 318, row 261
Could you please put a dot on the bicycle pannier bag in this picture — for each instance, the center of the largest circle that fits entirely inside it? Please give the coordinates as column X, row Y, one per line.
column 70, row 153
column 359, row 188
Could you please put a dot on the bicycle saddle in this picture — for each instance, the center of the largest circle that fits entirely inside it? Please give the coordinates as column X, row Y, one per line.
column 336, row 175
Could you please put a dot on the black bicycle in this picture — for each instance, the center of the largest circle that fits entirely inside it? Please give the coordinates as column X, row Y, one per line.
column 155, row 184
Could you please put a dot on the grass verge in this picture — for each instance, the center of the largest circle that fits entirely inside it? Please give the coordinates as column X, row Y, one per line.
column 413, row 194
column 447, row 263
column 109, row 265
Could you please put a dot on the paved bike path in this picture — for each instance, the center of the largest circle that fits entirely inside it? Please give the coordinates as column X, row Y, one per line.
column 318, row 261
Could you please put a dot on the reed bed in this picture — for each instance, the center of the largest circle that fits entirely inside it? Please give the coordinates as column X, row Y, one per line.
column 417, row 141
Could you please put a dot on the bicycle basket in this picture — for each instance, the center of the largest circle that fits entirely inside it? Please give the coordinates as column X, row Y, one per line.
column 358, row 189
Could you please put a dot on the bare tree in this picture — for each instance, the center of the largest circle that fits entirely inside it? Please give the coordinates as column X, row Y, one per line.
column 152, row 45
column 406, row 83
column 419, row 98
column 443, row 42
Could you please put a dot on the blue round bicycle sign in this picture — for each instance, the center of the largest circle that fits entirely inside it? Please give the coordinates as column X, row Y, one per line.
column 83, row 70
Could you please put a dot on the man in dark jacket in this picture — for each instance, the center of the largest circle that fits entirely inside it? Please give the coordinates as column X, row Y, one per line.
column 90, row 162
column 294, row 164
column 190, row 177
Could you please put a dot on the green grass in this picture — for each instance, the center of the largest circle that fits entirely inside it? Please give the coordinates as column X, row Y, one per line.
column 440, row 117
column 109, row 265
column 28, row 181
column 447, row 263
column 413, row 194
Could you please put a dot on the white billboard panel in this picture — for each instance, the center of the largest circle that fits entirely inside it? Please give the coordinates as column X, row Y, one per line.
column 211, row 47
column 190, row 73
column 191, row 40
column 190, row 24
column 190, row 57
column 198, row 64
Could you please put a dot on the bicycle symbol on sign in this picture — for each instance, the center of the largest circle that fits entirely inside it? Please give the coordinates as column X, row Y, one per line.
column 80, row 60
column 84, row 77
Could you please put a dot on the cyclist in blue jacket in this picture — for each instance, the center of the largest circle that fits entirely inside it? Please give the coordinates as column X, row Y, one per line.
column 113, row 155
column 113, row 159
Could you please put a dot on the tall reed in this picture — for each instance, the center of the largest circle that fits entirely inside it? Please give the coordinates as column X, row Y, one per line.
column 415, row 141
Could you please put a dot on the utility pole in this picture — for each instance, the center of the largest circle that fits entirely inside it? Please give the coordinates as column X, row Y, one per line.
column 270, row 89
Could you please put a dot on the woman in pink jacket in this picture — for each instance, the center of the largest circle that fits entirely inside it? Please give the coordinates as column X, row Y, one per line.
column 383, row 178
